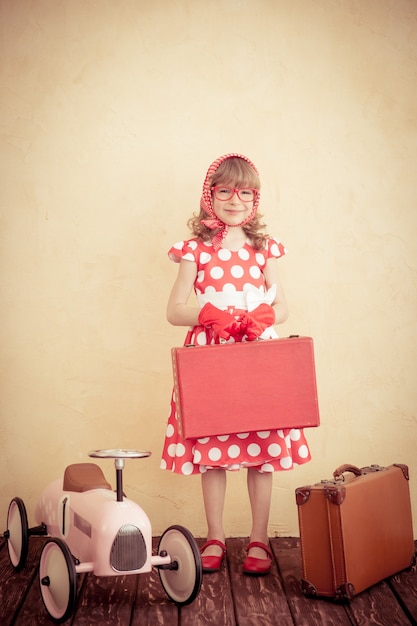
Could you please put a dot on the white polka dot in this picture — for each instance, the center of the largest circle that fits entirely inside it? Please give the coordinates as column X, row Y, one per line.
column 303, row 451
column 171, row 449
column 237, row 271
column 200, row 276
column 286, row 462
column 267, row 467
column 216, row 272
column 254, row 271
column 201, row 338
column 163, row 464
column 280, row 433
column 260, row 259
column 274, row 250
column 189, row 257
column 223, row 437
column 187, row 468
column 233, row 451
column 193, row 245
column 243, row 254
column 210, row 289
column 295, row 434
column 263, row 434
column 229, row 288
column 253, row 449
column 205, row 257
column 242, row 435
column 197, row 457
column 180, row 450
column 224, row 254
column 170, row 430
column 214, row 454
column 203, row 440
column 274, row 450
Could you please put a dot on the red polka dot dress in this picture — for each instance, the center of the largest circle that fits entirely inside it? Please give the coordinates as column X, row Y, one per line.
column 232, row 281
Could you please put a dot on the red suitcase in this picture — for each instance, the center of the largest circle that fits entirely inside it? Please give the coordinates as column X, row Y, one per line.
column 354, row 530
column 241, row 387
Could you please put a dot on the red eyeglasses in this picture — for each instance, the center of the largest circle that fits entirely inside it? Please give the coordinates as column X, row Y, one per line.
column 245, row 194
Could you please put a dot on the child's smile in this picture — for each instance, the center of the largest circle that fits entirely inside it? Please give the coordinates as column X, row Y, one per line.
column 232, row 212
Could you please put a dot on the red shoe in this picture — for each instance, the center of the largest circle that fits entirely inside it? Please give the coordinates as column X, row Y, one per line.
column 212, row 563
column 254, row 566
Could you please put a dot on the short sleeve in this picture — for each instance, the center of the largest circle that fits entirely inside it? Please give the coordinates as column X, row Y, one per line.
column 274, row 248
column 183, row 250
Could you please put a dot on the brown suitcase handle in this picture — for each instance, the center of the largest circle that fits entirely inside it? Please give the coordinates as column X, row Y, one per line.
column 346, row 468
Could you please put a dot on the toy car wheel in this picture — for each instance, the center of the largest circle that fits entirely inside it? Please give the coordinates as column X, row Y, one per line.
column 17, row 533
column 58, row 579
column 182, row 578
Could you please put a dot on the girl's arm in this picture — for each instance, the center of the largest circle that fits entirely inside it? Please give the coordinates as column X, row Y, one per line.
column 178, row 311
column 280, row 303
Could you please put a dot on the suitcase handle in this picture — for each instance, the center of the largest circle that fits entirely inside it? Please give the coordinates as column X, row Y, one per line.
column 346, row 468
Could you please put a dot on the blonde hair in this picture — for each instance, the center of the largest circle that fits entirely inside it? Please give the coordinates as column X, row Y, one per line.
column 235, row 172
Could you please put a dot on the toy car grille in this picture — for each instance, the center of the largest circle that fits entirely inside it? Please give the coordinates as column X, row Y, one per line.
column 128, row 551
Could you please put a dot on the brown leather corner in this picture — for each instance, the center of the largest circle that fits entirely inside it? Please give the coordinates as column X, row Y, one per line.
column 308, row 589
column 404, row 469
column 302, row 494
column 335, row 495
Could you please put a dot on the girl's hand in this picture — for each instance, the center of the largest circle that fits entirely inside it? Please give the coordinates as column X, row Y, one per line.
column 223, row 324
column 258, row 320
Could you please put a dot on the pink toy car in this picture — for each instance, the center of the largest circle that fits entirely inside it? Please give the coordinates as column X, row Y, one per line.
column 95, row 529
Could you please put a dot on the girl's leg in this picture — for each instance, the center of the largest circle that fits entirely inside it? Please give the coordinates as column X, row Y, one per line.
column 213, row 484
column 260, row 491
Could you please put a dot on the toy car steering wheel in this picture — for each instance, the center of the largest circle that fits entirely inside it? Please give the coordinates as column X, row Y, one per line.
column 119, row 455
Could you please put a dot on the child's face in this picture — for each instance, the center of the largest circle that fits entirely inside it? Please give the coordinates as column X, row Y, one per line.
column 234, row 211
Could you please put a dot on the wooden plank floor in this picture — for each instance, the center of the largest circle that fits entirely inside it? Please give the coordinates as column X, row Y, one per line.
column 227, row 598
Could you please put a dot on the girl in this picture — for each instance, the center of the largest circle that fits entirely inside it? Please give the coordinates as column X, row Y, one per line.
column 232, row 267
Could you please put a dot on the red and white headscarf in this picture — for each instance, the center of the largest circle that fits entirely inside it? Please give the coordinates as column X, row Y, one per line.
column 206, row 202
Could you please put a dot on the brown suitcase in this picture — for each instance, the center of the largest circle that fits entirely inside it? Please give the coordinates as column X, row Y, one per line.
column 355, row 530
column 249, row 386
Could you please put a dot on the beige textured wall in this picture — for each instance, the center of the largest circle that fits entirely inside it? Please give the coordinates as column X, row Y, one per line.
column 111, row 111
